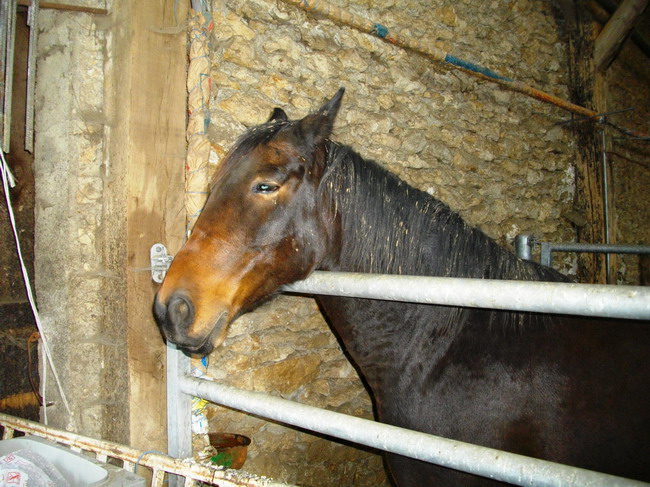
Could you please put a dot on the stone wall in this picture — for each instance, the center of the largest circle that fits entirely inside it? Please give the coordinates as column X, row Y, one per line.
column 494, row 156
column 71, row 276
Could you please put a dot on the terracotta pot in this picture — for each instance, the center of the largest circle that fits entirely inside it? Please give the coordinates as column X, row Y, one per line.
column 231, row 449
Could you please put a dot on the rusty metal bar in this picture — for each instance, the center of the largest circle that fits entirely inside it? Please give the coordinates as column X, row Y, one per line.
column 8, row 433
column 161, row 464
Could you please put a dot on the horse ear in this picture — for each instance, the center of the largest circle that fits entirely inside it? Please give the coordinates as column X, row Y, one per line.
column 278, row 115
column 318, row 125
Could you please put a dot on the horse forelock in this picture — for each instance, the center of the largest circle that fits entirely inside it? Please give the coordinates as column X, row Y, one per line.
column 249, row 140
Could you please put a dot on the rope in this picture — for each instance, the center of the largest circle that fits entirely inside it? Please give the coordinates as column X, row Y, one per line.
column 199, row 87
column 345, row 17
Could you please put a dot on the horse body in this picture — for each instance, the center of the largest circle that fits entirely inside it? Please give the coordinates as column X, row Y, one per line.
column 287, row 201
column 548, row 392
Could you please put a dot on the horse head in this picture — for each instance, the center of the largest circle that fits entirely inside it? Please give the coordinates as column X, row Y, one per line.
column 261, row 227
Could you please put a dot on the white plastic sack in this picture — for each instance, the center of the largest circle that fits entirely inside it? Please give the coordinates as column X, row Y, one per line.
column 25, row 468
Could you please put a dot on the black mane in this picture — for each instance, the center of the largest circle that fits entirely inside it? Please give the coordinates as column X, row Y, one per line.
column 410, row 231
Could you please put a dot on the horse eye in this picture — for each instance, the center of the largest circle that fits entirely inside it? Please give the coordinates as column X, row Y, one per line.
column 265, row 188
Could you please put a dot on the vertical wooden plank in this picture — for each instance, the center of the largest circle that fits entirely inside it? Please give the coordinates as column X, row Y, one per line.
column 147, row 167
column 586, row 91
column 155, row 181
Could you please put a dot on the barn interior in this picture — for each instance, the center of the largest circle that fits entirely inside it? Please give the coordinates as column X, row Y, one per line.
column 133, row 105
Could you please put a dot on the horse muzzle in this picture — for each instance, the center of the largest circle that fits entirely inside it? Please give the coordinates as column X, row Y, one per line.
column 176, row 320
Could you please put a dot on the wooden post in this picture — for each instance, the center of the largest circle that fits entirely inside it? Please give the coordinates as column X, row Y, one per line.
column 147, row 154
column 586, row 90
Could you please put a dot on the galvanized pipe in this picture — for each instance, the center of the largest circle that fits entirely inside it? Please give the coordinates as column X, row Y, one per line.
column 629, row 302
column 487, row 462
column 598, row 248
column 599, row 300
column 179, row 410
column 605, row 171
column 9, row 31
column 548, row 247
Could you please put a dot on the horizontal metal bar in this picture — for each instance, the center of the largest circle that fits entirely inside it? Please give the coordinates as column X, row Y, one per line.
column 548, row 247
column 598, row 248
column 488, row 462
column 629, row 302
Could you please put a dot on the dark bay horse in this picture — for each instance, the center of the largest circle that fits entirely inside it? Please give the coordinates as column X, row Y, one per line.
column 287, row 200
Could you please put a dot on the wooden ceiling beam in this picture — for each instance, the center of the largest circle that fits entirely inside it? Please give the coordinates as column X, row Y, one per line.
column 62, row 6
column 610, row 41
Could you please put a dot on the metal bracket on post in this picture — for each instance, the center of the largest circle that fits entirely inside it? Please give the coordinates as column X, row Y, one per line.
column 524, row 246
column 160, row 262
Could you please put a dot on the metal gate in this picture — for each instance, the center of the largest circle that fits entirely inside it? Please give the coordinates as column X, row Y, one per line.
column 630, row 302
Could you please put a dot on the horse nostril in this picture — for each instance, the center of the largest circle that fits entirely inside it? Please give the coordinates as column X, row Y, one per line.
column 180, row 311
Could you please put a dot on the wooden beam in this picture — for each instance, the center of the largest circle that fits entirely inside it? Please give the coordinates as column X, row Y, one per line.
column 586, row 89
column 64, row 6
column 610, row 41
column 147, row 155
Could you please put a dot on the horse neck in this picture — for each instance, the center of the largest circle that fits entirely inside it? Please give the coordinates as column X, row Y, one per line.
column 384, row 226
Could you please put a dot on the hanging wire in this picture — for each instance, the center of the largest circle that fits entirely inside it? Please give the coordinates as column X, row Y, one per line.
column 618, row 155
column 602, row 118
column 628, row 134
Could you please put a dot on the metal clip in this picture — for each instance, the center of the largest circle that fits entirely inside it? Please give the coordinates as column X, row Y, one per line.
column 160, row 262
